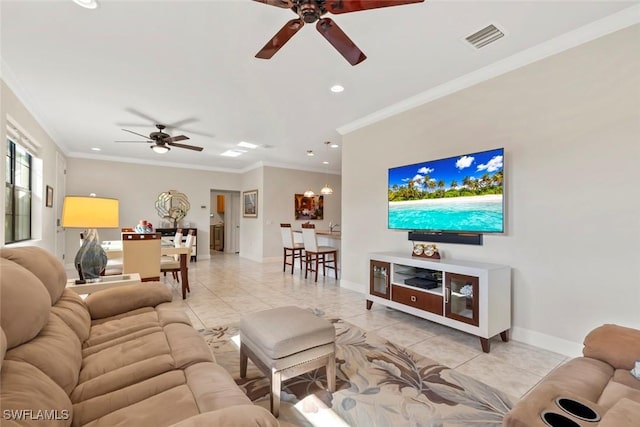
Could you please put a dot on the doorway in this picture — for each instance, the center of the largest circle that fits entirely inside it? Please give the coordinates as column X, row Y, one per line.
column 224, row 225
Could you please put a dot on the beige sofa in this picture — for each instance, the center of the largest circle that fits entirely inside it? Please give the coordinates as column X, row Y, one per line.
column 600, row 380
column 124, row 356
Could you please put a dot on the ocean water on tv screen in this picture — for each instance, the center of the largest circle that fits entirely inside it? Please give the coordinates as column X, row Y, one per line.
column 474, row 216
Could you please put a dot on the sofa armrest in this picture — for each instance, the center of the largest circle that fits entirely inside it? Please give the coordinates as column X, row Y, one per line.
column 624, row 413
column 232, row 416
column 616, row 345
column 114, row 301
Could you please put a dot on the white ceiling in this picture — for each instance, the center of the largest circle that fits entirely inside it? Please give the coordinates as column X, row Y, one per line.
column 86, row 74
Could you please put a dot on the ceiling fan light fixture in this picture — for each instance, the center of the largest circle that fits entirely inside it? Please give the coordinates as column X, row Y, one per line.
column 87, row 4
column 160, row 149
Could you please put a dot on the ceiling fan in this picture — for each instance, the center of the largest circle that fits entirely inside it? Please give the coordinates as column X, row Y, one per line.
column 163, row 141
column 310, row 11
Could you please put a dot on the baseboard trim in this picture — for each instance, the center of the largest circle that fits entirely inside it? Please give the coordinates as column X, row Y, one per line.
column 353, row 286
column 546, row 342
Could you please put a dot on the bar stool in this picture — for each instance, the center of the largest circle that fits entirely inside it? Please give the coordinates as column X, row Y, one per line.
column 316, row 255
column 291, row 248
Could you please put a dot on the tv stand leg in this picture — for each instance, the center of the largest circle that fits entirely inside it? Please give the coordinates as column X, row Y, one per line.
column 484, row 342
column 505, row 335
column 369, row 304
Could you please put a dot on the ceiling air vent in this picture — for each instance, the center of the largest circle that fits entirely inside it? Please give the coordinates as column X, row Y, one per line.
column 484, row 36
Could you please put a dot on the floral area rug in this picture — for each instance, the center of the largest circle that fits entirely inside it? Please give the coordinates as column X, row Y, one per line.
column 378, row 384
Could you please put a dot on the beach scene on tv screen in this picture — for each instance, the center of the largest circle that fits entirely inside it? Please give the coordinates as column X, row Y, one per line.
column 462, row 193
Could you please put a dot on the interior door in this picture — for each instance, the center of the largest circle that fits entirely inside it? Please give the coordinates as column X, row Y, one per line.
column 232, row 239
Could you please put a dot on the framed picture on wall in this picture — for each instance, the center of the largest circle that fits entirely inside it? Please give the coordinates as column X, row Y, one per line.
column 49, row 197
column 250, row 204
column 308, row 207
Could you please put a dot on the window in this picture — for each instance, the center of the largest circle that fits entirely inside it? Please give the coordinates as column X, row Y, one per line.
column 17, row 221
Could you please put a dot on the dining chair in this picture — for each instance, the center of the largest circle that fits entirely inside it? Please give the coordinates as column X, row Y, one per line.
column 291, row 248
column 171, row 264
column 316, row 255
column 141, row 254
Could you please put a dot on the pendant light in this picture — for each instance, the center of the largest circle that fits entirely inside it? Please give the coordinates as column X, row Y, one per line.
column 326, row 190
column 309, row 192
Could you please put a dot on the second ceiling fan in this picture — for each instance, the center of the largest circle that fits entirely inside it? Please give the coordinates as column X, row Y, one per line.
column 310, row 11
column 163, row 141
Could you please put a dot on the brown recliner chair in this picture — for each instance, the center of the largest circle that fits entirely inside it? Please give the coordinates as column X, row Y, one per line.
column 594, row 390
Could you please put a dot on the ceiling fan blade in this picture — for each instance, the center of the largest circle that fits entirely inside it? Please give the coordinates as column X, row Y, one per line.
column 281, row 37
column 346, row 6
column 136, row 133
column 188, row 147
column 340, row 41
column 176, row 138
column 286, row 4
column 146, row 142
column 141, row 114
column 179, row 123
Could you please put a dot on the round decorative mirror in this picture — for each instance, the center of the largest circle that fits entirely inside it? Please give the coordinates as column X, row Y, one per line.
column 173, row 206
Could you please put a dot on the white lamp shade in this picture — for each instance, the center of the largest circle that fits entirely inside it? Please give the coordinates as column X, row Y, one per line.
column 160, row 149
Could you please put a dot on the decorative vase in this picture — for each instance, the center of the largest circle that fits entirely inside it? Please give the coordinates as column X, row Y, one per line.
column 91, row 259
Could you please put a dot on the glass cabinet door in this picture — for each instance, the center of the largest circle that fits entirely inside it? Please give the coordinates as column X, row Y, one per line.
column 379, row 284
column 461, row 298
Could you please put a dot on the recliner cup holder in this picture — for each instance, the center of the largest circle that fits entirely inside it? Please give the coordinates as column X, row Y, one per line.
column 577, row 409
column 554, row 419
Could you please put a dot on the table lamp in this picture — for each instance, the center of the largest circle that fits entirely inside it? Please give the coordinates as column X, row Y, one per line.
column 90, row 213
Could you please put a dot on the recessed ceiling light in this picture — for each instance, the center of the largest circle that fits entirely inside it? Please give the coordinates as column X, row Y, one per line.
column 231, row 153
column 245, row 144
column 310, row 153
column 337, row 88
column 334, row 145
column 87, row 4
column 96, row 149
column 325, row 162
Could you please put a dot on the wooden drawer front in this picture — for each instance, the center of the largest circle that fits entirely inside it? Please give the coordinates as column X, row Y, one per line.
column 417, row 299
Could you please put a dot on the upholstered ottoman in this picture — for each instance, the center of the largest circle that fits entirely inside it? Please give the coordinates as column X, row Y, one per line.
column 285, row 342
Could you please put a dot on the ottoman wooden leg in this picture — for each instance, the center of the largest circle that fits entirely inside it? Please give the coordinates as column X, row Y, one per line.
column 331, row 372
column 276, row 384
column 243, row 362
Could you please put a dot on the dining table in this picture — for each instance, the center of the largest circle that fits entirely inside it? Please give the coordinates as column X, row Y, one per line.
column 113, row 248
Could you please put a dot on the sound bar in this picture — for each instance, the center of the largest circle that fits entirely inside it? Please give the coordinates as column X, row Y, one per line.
column 461, row 238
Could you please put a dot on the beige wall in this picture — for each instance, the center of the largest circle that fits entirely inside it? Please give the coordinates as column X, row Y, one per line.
column 570, row 126
column 280, row 187
column 43, row 218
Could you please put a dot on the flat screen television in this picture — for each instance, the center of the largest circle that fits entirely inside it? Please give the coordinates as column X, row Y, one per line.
column 462, row 194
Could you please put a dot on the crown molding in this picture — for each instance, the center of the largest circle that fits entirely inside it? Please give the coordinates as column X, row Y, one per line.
column 617, row 21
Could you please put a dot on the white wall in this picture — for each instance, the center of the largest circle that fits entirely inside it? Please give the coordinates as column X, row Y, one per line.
column 43, row 218
column 570, row 126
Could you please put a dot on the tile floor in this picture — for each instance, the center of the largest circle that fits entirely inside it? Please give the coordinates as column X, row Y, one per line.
column 227, row 286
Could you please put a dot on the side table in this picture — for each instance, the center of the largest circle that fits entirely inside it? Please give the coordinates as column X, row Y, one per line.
column 104, row 282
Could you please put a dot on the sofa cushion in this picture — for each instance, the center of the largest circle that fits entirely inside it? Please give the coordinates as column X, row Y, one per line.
column 122, row 377
column 121, row 326
column 126, row 298
column 25, row 387
column 614, row 392
column 623, row 376
column 233, row 416
column 71, row 309
column 624, row 413
column 102, row 404
column 43, row 264
column 56, row 338
column 213, row 387
column 614, row 344
column 161, row 409
column 24, row 303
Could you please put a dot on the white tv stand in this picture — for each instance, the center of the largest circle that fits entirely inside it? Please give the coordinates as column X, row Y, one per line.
column 474, row 297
